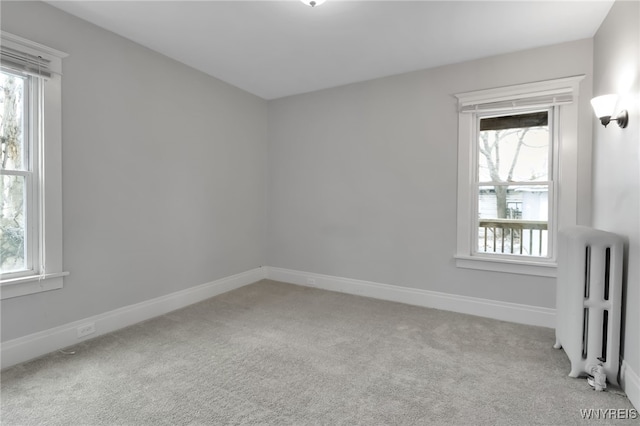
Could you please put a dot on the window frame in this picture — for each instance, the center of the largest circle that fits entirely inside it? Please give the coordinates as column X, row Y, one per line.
column 515, row 99
column 44, row 231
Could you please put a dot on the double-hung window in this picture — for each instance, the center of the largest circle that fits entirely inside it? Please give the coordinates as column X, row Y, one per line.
column 513, row 144
column 514, row 182
column 30, row 167
column 19, row 158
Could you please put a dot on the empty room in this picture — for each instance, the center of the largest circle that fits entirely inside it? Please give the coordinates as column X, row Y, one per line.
column 320, row 212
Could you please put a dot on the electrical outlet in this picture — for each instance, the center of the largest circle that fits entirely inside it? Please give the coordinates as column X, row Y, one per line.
column 86, row 329
column 311, row 281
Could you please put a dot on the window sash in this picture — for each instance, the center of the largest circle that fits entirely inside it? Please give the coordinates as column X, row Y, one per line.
column 517, row 228
column 552, row 112
column 550, row 124
column 32, row 146
column 26, row 165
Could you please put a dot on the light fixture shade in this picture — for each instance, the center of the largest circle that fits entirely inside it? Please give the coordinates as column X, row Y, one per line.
column 313, row 3
column 605, row 105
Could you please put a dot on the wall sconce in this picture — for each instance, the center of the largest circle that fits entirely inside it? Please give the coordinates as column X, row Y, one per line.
column 605, row 107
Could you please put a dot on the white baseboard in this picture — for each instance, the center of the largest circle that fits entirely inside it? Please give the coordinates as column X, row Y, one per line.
column 37, row 344
column 630, row 383
column 512, row 312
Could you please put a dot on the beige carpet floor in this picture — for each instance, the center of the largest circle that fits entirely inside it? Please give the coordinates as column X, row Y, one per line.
column 278, row 354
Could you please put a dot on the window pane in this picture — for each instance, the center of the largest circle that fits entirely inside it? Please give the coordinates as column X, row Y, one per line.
column 12, row 121
column 513, row 219
column 514, row 148
column 12, row 218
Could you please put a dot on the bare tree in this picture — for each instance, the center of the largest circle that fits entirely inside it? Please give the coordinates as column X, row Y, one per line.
column 10, row 129
column 490, row 149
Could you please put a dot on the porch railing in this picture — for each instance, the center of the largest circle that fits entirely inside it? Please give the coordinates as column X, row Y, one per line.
column 514, row 236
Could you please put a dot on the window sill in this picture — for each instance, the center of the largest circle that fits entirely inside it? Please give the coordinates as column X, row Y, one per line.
column 522, row 267
column 31, row 284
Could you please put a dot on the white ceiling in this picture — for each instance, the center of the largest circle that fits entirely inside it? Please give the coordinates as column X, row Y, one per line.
column 279, row 48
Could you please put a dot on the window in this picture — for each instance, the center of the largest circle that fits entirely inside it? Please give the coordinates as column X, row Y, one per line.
column 510, row 159
column 513, row 180
column 30, row 168
column 19, row 193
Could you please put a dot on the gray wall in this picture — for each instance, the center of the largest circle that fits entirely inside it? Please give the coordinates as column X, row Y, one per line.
column 362, row 178
column 163, row 174
column 616, row 165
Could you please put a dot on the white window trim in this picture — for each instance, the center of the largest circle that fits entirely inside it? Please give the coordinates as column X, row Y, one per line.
column 565, row 197
column 49, row 275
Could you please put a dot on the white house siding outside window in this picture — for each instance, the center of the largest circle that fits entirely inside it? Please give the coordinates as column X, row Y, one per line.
column 508, row 175
column 30, row 167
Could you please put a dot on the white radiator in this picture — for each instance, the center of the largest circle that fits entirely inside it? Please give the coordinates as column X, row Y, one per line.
column 588, row 302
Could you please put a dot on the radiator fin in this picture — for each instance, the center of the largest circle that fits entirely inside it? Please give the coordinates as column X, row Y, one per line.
column 607, row 272
column 585, row 333
column 587, row 271
column 605, row 323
